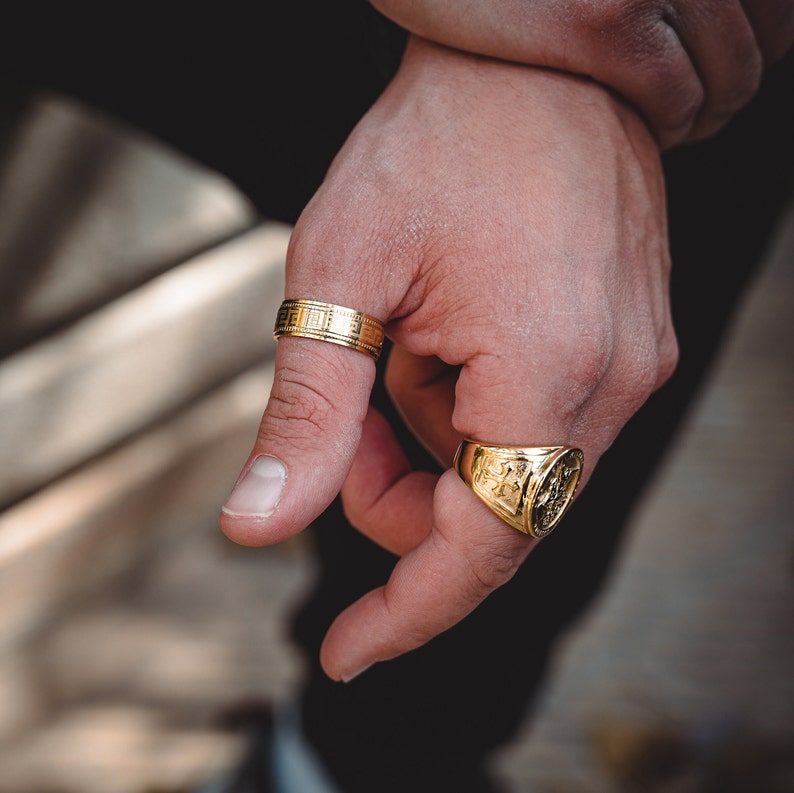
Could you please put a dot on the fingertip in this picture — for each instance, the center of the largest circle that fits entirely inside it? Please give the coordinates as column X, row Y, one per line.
column 348, row 677
column 344, row 672
column 251, row 532
column 306, row 442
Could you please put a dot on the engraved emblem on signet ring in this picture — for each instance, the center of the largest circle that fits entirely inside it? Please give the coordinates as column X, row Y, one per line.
column 529, row 487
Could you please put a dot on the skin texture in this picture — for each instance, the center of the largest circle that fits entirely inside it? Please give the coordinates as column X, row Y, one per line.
column 686, row 66
column 508, row 225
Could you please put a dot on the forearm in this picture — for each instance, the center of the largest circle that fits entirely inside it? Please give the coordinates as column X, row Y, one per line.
column 688, row 66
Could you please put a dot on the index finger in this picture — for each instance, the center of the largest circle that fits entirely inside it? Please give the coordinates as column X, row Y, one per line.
column 467, row 555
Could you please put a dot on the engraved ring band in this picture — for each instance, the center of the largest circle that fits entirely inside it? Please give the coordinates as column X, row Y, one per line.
column 328, row 322
column 530, row 488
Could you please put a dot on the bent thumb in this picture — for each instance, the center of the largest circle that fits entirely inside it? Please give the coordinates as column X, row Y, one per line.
column 306, row 442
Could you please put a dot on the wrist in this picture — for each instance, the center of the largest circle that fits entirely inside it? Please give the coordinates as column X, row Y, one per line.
column 515, row 96
column 684, row 71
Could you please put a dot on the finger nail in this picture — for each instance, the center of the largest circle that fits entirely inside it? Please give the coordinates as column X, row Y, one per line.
column 257, row 494
column 347, row 677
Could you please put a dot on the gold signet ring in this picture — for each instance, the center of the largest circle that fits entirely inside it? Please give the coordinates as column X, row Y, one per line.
column 328, row 322
column 529, row 487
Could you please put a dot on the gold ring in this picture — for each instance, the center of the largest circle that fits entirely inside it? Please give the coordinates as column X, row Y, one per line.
column 327, row 322
column 529, row 487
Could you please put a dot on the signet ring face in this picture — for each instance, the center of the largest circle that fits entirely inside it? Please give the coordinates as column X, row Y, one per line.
column 529, row 487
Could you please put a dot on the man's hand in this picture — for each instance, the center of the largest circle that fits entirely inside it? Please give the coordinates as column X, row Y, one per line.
column 507, row 223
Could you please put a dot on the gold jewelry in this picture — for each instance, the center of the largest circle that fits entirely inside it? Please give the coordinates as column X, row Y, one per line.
column 328, row 322
column 529, row 487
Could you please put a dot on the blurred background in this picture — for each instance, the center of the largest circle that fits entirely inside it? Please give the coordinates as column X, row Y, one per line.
column 137, row 294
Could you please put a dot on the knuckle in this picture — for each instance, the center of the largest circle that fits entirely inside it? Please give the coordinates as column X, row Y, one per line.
column 492, row 560
column 727, row 99
column 298, row 406
column 679, row 86
column 617, row 16
column 668, row 358
column 637, row 370
column 677, row 102
column 645, row 366
column 628, row 359
column 631, row 30
column 407, row 634
column 415, row 636
column 638, row 375
column 587, row 359
column 636, row 38
column 495, row 567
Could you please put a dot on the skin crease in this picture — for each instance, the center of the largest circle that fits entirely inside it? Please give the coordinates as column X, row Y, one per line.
column 687, row 65
column 508, row 225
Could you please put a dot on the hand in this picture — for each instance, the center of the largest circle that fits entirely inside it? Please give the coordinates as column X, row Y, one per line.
column 508, row 225
column 687, row 65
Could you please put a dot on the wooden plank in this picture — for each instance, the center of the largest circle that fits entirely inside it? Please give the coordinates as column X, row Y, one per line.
column 118, row 748
column 117, row 370
column 89, row 529
column 90, row 208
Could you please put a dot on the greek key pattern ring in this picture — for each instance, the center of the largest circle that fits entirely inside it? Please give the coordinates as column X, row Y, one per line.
column 328, row 322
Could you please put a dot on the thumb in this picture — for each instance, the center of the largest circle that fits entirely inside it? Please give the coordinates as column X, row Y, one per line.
column 306, row 442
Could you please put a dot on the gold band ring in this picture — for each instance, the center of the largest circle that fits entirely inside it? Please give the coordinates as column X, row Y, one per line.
column 529, row 487
column 328, row 322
